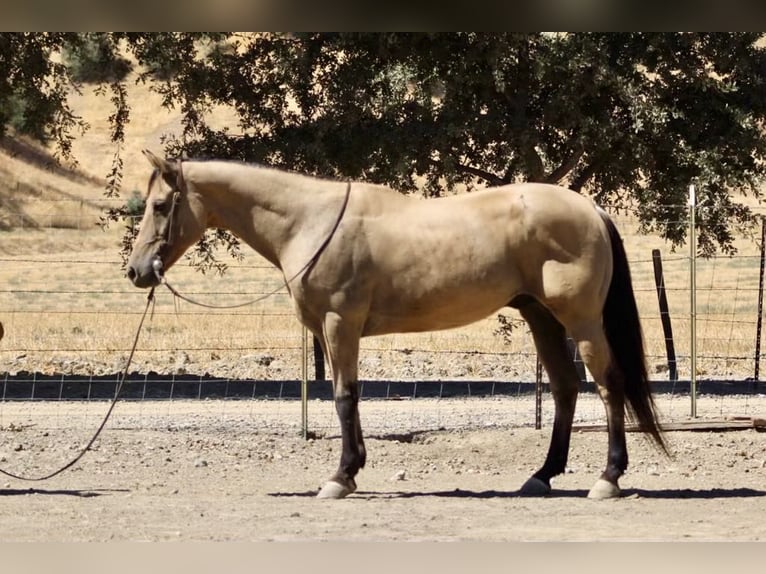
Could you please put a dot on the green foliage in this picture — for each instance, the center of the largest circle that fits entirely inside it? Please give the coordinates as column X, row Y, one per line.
column 136, row 204
column 204, row 259
column 505, row 328
column 34, row 89
column 16, row 113
column 631, row 118
column 94, row 59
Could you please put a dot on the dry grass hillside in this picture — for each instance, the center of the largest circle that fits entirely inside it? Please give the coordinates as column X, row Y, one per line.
column 33, row 188
column 37, row 194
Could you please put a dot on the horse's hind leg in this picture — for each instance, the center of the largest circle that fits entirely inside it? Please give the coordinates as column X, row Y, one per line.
column 550, row 340
column 595, row 353
column 342, row 346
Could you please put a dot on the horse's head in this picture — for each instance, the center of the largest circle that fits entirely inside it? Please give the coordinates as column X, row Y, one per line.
column 169, row 227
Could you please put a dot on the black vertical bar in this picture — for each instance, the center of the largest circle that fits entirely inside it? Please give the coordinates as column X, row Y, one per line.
column 318, row 361
column 538, row 394
column 667, row 329
column 759, row 319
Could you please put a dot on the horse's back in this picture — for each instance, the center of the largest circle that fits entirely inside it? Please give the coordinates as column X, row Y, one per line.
column 441, row 263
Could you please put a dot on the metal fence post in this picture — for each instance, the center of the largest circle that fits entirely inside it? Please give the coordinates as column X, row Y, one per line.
column 304, row 383
column 759, row 318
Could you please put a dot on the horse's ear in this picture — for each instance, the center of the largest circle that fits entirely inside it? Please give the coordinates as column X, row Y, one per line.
column 164, row 166
column 167, row 169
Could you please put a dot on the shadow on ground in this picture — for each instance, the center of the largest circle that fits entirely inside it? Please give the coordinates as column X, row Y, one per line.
column 629, row 494
column 58, row 492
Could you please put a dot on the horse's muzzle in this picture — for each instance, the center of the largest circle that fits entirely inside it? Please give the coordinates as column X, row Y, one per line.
column 147, row 277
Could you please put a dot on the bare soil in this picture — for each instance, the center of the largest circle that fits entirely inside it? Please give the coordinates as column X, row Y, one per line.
column 437, row 470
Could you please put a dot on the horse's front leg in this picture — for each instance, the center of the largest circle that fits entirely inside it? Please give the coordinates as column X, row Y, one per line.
column 342, row 345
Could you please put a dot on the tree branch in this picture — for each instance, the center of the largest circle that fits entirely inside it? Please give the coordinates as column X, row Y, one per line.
column 490, row 178
column 533, row 161
column 578, row 182
column 568, row 165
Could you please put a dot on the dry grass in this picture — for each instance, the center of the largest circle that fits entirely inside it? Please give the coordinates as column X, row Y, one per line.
column 66, row 305
column 76, row 306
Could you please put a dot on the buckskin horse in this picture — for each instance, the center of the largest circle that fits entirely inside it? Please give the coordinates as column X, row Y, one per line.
column 362, row 260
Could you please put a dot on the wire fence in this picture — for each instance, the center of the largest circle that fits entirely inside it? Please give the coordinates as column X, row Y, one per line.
column 27, row 213
column 69, row 323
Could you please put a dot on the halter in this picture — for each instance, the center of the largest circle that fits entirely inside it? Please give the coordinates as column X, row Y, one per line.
column 158, row 267
column 168, row 234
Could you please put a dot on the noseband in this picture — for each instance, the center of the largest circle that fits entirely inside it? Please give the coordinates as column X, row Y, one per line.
column 158, row 263
column 158, row 268
column 166, row 240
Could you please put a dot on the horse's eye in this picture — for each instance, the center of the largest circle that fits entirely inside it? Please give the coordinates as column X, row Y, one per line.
column 160, row 206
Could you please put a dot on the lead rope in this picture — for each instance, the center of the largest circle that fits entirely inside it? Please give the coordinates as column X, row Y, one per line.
column 158, row 270
column 149, row 301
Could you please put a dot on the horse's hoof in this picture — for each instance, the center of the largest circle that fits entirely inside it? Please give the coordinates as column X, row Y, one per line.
column 336, row 490
column 535, row 487
column 604, row 489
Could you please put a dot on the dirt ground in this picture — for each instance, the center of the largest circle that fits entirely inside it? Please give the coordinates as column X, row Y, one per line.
column 437, row 470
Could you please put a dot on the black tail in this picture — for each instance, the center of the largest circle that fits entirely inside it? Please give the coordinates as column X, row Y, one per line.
column 623, row 331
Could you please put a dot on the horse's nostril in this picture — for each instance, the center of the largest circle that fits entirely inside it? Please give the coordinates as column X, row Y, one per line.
column 131, row 273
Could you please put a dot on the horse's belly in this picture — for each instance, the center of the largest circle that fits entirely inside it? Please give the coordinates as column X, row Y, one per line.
column 408, row 316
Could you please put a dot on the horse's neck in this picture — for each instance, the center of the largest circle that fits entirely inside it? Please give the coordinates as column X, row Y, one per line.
column 267, row 209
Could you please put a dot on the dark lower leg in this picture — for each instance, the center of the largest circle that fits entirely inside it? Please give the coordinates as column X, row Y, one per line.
column 617, row 460
column 550, row 341
column 617, row 454
column 558, row 451
column 353, row 454
column 360, row 441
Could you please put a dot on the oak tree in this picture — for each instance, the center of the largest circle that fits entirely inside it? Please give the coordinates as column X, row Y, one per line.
column 631, row 118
